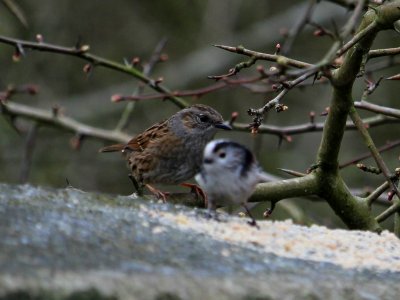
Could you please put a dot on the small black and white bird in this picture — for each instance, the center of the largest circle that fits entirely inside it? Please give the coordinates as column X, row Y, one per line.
column 229, row 175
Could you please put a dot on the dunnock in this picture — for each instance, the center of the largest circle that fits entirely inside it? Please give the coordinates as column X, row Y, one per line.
column 229, row 175
column 170, row 152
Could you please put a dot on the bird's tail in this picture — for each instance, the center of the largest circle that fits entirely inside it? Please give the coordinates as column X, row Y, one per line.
column 113, row 148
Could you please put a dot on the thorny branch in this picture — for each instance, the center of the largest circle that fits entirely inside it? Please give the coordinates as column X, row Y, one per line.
column 275, row 102
column 81, row 51
column 324, row 179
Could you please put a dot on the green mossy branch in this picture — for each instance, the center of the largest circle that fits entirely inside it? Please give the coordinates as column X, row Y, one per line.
column 290, row 188
column 325, row 181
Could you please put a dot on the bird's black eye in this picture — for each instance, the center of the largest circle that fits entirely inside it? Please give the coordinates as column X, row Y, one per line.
column 222, row 154
column 203, row 118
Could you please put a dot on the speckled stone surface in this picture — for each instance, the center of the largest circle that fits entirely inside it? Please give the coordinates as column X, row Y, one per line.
column 65, row 243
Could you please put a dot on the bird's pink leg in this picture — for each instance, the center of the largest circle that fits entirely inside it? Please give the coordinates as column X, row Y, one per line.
column 159, row 194
column 194, row 188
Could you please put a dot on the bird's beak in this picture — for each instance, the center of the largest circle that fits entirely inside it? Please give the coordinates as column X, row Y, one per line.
column 208, row 160
column 223, row 126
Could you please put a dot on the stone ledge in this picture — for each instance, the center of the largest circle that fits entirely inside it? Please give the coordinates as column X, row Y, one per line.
column 62, row 244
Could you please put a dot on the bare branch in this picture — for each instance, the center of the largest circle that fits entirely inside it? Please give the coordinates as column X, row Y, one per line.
column 350, row 25
column 268, row 57
column 388, row 146
column 312, row 127
column 370, row 28
column 375, row 194
column 82, row 53
column 387, row 111
column 47, row 118
column 148, row 67
column 301, row 23
column 374, row 151
column 388, row 212
column 383, row 52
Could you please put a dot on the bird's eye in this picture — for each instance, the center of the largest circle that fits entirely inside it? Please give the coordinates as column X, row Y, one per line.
column 203, row 118
column 222, row 154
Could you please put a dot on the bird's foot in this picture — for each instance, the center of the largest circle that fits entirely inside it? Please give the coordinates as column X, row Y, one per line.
column 194, row 188
column 269, row 211
column 253, row 223
column 159, row 194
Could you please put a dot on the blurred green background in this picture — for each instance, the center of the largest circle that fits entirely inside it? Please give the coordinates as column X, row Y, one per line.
column 121, row 30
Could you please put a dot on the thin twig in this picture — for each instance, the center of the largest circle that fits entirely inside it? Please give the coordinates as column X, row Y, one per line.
column 383, row 52
column 292, row 172
column 312, row 127
column 264, row 56
column 387, row 111
column 82, row 53
column 351, row 24
column 275, row 102
column 375, row 194
column 223, row 83
column 388, row 146
column 374, row 151
column 148, row 67
column 296, row 30
column 356, row 38
column 388, row 212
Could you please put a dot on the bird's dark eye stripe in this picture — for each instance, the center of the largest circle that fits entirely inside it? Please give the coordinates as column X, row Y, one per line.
column 220, row 146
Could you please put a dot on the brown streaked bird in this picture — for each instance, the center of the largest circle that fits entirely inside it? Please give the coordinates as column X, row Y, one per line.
column 171, row 151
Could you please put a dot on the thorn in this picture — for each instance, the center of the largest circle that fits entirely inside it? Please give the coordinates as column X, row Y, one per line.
column 20, row 49
column 394, row 77
column 315, row 77
column 55, row 109
column 127, row 63
column 280, row 141
column 292, row 172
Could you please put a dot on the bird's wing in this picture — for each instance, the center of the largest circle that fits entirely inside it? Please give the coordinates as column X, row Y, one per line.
column 140, row 142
